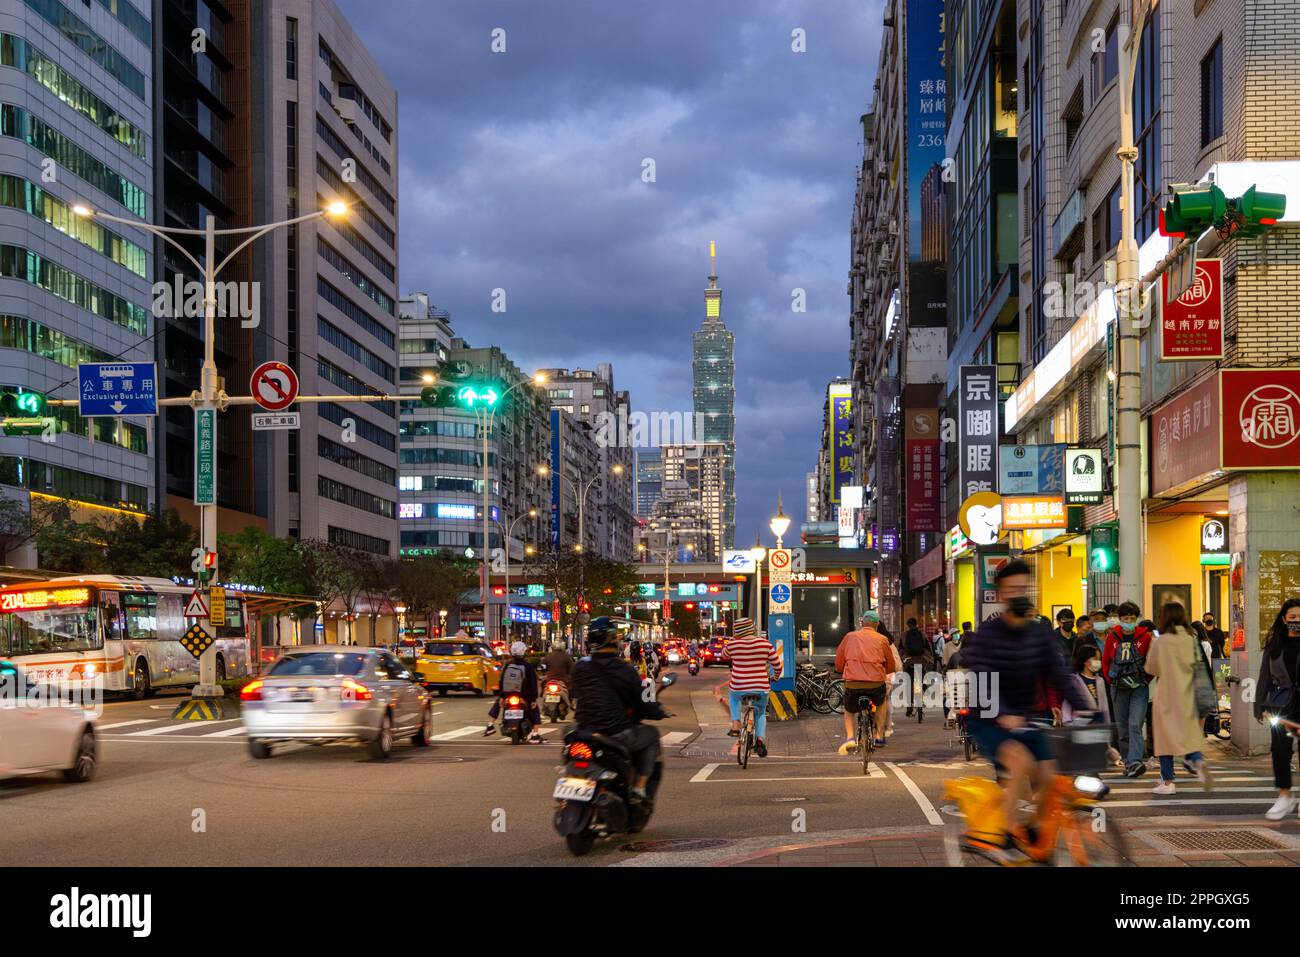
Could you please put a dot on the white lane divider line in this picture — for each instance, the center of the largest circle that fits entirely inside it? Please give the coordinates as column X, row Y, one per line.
column 675, row 737
column 927, row 808
column 123, row 724
column 703, row 773
column 459, row 733
column 227, row 733
column 178, row 726
column 1170, row 802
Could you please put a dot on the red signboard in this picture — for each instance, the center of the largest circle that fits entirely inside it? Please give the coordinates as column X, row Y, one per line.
column 922, row 445
column 1261, row 418
column 1191, row 327
column 1184, row 440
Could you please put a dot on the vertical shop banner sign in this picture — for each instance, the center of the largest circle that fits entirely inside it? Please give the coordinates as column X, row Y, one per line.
column 922, row 444
column 927, row 237
column 840, row 397
column 1184, row 438
column 205, row 456
column 1261, row 418
column 555, row 478
column 1191, row 327
column 977, row 410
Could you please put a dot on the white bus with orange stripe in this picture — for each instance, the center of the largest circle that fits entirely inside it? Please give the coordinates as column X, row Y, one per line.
column 116, row 632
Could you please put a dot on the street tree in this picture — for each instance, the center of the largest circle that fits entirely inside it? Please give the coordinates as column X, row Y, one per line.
column 159, row 546
column 64, row 544
column 15, row 526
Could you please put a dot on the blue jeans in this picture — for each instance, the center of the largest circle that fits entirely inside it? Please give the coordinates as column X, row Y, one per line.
column 1167, row 764
column 760, row 709
column 1130, row 713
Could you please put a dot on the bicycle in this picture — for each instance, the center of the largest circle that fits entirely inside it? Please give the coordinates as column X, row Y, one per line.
column 1066, row 832
column 748, row 703
column 909, row 669
column 866, row 730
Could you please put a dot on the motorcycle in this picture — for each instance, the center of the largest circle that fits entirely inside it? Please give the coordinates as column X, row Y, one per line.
column 515, row 722
column 594, row 789
column 693, row 665
column 555, row 700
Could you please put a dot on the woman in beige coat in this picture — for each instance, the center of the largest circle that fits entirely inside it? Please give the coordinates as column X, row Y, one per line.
column 1173, row 660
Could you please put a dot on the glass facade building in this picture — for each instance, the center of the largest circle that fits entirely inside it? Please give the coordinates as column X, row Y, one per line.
column 713, row 367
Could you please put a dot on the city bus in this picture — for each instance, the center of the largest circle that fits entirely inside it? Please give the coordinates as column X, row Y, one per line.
column 121, row 632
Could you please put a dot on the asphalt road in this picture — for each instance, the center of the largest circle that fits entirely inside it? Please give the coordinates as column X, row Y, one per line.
column 188, row 793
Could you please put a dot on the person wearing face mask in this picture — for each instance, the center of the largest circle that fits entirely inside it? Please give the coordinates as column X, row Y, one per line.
column 1127, row 646
column 1084, row 633
column 1275, row 695
column 1087, row 666
column 1065, row 631
column 1021, row 654
column 1215, row 635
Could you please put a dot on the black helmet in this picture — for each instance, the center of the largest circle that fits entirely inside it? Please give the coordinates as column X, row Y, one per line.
column 601, row 631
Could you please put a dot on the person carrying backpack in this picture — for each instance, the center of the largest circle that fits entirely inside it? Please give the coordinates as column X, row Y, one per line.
column 917, row 652
column 517, row 677
column 1122, row 664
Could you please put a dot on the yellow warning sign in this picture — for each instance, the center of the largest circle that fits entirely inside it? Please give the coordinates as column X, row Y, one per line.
column 217, row 606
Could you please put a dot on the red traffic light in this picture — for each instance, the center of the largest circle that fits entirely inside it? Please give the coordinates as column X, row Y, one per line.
column 209, row 559
column 498, row 590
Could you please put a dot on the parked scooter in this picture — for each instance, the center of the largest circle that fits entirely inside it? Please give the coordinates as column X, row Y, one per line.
column 594, row 789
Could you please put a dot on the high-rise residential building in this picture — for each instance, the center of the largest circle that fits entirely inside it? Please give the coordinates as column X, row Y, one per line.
column 703, row 467
column 440, row 479
column 575, row 479
column 76, row 122
column 679, row 528
column 713, row 368
column 649, row 480
column 897, row 291
column 590, row 397
column 324, row 128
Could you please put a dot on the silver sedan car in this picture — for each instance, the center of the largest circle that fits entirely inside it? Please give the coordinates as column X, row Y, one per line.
column 322, row 693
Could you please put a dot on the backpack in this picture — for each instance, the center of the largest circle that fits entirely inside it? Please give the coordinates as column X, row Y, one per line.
column 914, row 643
column 512, row 678
column 1126, row 666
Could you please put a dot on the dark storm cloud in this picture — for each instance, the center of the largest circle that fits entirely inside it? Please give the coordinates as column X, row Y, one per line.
column 522, row 171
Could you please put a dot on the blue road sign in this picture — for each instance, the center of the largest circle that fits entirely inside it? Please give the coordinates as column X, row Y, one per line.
column 117, row 388
column 780, row 594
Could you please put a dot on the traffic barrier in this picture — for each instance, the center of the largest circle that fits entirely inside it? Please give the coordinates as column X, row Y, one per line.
column 201, row 709
column 782, row 705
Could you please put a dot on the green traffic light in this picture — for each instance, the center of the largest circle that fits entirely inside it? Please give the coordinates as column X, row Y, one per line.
column 24, row 404
column 1193, row 210
column 1252, row 212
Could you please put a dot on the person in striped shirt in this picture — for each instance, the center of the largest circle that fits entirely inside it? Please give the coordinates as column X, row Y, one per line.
column 750, row 655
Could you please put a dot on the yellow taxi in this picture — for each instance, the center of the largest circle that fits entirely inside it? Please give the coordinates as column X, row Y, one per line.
column 458, row 665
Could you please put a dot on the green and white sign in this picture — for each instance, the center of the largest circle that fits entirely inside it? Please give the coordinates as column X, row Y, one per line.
column 205, row 456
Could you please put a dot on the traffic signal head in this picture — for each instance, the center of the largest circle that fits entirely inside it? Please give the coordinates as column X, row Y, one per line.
column 1252, row 212
column 1193, row 210
column 478, row 395
column 23, row 405
column 438, row 396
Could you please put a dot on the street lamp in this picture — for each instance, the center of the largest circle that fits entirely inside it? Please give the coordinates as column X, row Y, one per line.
column 210, row 398
column 780, row 523
column 509, row 530
column 758, row 553
column 580, row 547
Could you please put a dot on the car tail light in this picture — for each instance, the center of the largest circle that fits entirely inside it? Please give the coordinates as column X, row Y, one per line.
column 355, row 691
column 580, row 750
column 252, row 691
column 514, row 699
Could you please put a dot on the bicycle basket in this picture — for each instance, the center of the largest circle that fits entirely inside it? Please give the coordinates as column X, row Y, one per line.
column 1080, row 749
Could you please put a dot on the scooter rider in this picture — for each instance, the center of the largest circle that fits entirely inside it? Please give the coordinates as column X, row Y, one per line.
column 559, row 663
column 518, row 677
column 611, row 701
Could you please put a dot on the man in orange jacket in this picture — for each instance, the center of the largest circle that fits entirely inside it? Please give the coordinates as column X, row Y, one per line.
column 865, row 660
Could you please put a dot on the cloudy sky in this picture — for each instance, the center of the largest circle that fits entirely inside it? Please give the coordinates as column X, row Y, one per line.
column 523, row 171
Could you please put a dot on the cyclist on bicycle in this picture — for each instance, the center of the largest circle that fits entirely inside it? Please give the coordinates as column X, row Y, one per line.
column 1019, row 656
column 866, row 661
column 750, row 655
column 917, row 651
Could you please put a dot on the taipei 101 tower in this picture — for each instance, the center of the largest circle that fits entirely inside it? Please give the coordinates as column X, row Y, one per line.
column 713, row 365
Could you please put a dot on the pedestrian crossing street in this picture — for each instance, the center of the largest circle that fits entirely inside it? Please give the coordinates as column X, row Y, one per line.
column 1236, row 788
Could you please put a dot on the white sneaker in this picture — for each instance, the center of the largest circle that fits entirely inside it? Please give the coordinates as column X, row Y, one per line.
column 1164, row 787
column 1283, row 806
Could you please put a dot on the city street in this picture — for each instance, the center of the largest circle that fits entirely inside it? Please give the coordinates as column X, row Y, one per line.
column 187, row 792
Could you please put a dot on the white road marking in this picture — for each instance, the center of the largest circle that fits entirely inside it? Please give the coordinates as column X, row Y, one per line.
column 927, row 808
column 123, row 724
column 1193, row 787
column 227, row 733
column 675, row 737
column 743, row 778
column 459, row 733
column 703, row 773
column 169, row 728
column 1170, row 802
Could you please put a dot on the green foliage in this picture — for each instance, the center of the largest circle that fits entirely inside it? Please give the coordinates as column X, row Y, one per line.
column 157, row 546
column 570, row 574
column 15, row 525
column 64, row 544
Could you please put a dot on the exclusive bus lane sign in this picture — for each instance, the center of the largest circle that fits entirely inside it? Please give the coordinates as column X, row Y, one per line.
column 117, row 388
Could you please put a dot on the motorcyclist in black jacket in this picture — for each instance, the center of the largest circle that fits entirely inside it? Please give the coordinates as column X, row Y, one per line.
column 612, row 701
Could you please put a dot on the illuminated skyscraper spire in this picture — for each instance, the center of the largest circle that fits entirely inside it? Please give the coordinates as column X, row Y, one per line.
column 714, row 371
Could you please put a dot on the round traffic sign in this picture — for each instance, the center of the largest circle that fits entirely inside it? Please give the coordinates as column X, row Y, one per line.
column 274, row 386
column 780, row 594
column 780, row 557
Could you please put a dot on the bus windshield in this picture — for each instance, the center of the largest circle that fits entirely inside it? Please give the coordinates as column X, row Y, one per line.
column 44, row 630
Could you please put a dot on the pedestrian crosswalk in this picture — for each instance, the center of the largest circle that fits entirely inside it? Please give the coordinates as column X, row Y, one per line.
column 1236, row 788
column 165, row 729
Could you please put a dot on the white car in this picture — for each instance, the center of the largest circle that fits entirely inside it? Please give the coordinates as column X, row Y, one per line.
column 40, row 734
column 326, row 693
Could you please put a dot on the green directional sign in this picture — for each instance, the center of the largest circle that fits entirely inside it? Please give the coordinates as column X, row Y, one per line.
column 205, row 456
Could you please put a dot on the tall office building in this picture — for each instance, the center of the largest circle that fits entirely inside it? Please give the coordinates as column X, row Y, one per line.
column 649, row 480
column 324, row 117
column 590, row 398
column 713, row 367
column 703, row 466
column 75, row 127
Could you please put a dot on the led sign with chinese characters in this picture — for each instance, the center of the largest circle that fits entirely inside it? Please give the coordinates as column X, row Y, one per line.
column 42, row 598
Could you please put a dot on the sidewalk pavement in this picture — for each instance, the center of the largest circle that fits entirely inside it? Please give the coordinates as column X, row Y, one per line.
column 1147, row 839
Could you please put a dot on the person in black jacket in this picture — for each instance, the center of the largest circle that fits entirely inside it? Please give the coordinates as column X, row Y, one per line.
column 1014, row 657
column 1275, row 695
column 612, row 701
